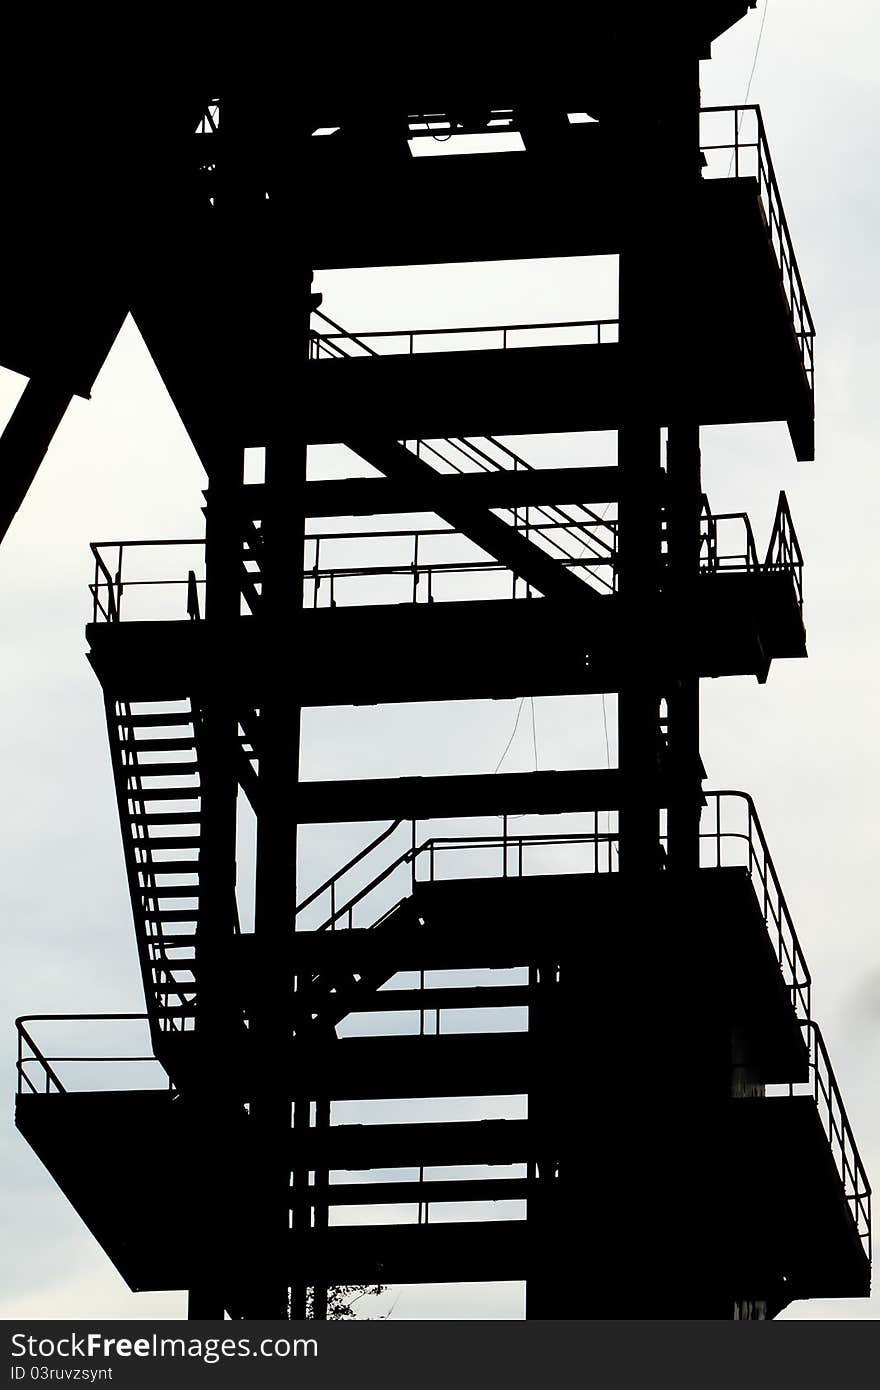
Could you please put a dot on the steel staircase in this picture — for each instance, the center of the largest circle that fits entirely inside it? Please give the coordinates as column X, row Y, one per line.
column 156, row 773
column 154, row 752
column 328, row 998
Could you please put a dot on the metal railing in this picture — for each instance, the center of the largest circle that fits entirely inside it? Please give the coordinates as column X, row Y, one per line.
column 731, row 835
column 407, row 341
column 31, row 1057
column 745, row 151
column 109, row 584
column 823, row 1086
column 727, row 545
column 748, row 155
column 507, row 853
column 420, row 573
column 331, row 885
column 784, row 551
column 717, row 553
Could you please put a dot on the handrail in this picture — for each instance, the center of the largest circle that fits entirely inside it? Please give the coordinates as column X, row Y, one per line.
column 777, row 228
column 112, row 610
column 717, row 559
column 823, row 1084
column 52, row 1078
column 433, row 843
column 319, row 340
column 356, row 859
column 115, row 585
column 784, row 551
column 783, row 554
column 771, row 899
column 777, row 223
column 841, row 1140
column 341, row 333
column 774, row 907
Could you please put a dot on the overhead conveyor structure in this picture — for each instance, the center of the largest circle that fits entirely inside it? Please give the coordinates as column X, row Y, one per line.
column 620, row 969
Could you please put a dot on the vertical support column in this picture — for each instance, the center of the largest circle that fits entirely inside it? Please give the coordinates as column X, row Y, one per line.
column 639, row 530
column 700, row 1029
column 275, row 895
column 683, row 500
column 219, row 1006
column 659, row 274
column 321, row 1204
column 275, row 901
column 547, row 1107
column 639, row 694
column 683, row 689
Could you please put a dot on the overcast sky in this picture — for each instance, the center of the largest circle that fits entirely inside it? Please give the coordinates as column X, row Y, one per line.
column 805, row 745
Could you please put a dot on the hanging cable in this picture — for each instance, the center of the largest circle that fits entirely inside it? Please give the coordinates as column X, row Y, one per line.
column 605, row 722
column 751, row 75
column 757, row 49
column 513, row 735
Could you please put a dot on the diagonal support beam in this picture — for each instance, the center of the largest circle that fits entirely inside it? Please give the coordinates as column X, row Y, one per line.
column 24, row 442
column 485, row 529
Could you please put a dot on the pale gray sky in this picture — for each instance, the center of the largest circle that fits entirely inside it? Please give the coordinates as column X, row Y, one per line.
column 805, row 745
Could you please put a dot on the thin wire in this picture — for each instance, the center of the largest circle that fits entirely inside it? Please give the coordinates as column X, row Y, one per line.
column 605, row 722
column 751, row 75
column 757, row 49
column 513, row 735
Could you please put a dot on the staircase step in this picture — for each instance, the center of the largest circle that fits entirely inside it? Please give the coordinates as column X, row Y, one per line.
column 159, row 720
column 174, row 914
column 163, row 769
column 168, row 866
column 166, row 818
column 158, row 745
column 163, row 794
column 173, row 841
column 172, row 890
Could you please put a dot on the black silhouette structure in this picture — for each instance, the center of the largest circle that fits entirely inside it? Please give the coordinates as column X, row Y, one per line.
column 685, row 1150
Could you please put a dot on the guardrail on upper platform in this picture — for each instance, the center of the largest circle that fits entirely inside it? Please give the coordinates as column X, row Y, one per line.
column 822, row 1086
column 39, row 1071
column 408, row 341
column 423, row 564
column 744, row 152
column 739, row 150
column 731, row 835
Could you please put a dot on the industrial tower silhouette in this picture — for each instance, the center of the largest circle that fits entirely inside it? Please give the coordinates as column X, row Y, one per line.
column 684, row 1151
